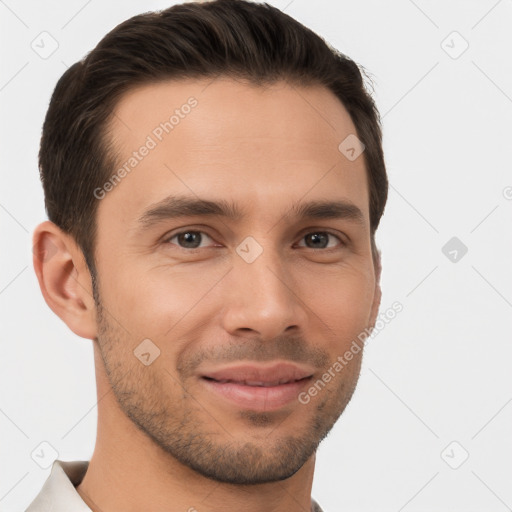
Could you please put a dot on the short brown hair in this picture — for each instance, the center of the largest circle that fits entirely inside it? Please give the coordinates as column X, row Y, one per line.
column 233, row 38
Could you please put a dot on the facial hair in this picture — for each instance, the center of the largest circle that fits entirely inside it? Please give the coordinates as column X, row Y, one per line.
column 193, row 432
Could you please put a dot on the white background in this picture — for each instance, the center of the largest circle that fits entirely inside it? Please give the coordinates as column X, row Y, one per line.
column 438, row 373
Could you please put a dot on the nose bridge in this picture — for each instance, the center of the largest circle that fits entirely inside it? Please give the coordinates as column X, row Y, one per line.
column 262, row 296
column 264, row 273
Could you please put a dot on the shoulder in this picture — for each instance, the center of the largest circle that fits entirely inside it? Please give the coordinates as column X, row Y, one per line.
column 315, row 507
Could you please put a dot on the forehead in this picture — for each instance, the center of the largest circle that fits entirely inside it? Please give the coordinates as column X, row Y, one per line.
column 225, row 106
column 227, row 138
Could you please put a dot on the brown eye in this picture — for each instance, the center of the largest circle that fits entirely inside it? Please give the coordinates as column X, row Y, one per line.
column 188, row 239
column 320, row 240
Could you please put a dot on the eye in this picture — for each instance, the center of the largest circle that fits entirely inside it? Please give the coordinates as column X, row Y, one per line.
column 189, row 239
column 320, row 239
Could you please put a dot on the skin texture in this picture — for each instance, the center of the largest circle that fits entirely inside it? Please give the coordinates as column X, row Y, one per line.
column 165, row 441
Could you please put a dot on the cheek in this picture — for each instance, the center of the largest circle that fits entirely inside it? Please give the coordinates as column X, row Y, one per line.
column 150, row 302
column 340, row 306
column 341, row 299
column 164, row 300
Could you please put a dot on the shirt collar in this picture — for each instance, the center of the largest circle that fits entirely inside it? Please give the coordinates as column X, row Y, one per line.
column 59, row 493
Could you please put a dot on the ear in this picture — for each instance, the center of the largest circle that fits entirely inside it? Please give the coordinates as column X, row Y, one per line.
column 377, row 295
column 64, row 278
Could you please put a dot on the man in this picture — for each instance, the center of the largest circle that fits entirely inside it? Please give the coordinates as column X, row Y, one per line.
column 214, row 178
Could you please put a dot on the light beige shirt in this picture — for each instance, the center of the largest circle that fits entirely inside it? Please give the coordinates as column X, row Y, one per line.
column 59, row 494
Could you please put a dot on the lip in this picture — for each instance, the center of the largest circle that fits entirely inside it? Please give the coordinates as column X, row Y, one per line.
column 258, row 387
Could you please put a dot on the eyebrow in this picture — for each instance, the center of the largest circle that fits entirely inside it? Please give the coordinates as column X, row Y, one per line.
column 173, row 207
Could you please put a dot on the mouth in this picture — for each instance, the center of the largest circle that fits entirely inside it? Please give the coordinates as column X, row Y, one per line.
column 256, row 387
column 264, row 384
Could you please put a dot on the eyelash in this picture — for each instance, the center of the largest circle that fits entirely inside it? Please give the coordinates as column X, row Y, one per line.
column 167, row 239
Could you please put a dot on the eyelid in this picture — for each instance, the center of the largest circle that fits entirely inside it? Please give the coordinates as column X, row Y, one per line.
column 333, row 232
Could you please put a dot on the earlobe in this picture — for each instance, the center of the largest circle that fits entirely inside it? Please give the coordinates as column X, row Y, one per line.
column 64, row 278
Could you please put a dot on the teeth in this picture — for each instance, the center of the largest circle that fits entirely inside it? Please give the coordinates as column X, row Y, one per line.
column 264, row 384
column 256, row 383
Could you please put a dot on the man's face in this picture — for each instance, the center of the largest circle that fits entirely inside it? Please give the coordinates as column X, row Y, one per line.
column 246, row 312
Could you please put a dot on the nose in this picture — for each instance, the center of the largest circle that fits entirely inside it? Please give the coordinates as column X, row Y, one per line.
column 261, row 298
